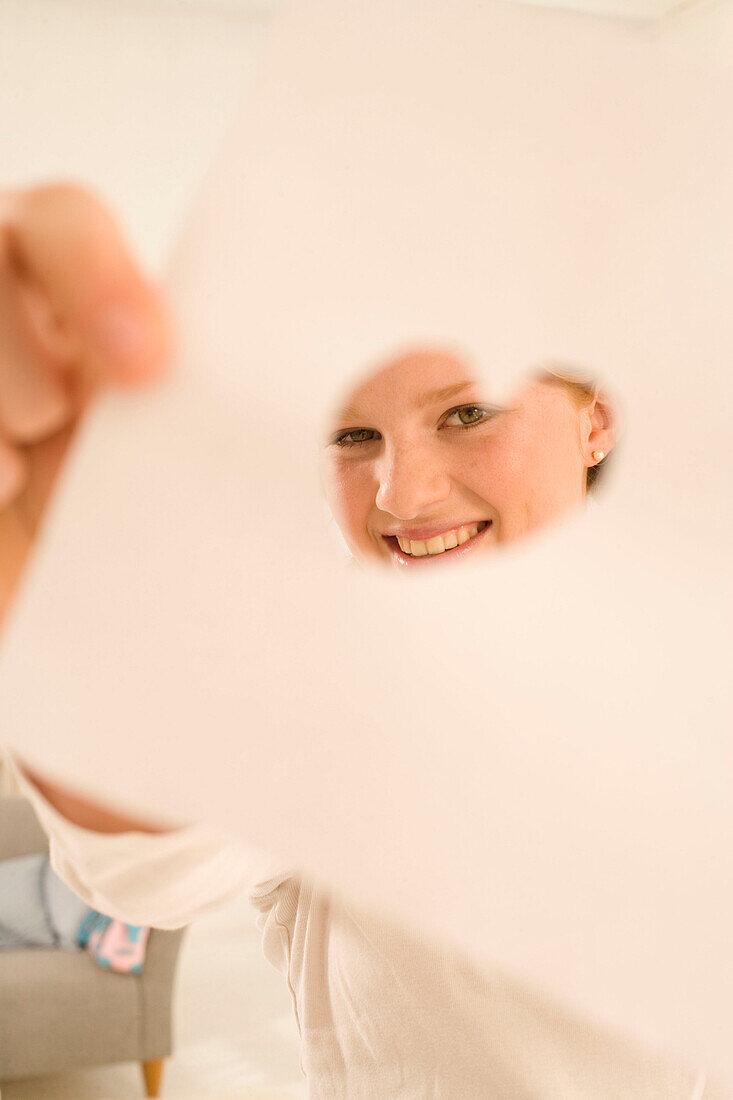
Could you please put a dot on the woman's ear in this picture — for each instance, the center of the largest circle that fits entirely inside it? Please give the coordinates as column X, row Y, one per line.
column 601, row 428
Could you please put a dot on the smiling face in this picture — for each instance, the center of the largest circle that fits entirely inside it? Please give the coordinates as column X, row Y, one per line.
column 421, row 469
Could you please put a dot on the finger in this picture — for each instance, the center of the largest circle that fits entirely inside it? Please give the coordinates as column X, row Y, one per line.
column 13, row 473
column 43, row 464
column 33, row 401
column 65, row 241
column 14, row 546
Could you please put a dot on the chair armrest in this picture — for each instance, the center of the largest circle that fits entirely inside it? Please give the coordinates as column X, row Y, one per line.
column 161, row 955
column 156, row 992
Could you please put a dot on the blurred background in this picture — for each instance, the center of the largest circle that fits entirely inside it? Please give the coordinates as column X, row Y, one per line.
column 133, row 97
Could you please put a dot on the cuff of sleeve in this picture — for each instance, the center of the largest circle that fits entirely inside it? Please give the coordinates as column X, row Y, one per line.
column 163, row 880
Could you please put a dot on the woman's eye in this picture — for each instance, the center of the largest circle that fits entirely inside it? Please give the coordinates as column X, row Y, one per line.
column 356, row 435
column 466, row 416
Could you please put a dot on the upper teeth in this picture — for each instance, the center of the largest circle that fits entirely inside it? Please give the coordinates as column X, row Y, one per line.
column 438, row 544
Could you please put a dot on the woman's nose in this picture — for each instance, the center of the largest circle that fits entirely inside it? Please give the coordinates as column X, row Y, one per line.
column 412, row 482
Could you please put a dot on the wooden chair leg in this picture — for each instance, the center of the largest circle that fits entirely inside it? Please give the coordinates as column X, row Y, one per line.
column 153, row 1073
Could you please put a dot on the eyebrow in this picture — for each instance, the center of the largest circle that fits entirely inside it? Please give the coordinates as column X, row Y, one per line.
column 430, row 397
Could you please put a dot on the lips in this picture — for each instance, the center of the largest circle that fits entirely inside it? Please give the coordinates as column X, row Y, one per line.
column 438, row 543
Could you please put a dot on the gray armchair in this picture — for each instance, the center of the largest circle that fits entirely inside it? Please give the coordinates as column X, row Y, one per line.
column 59, row 1010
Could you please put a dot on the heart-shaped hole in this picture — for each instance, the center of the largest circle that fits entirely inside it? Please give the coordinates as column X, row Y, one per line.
column 422, row 467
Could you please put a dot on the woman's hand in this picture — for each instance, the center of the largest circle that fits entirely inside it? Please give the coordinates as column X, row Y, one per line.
column 76, row 314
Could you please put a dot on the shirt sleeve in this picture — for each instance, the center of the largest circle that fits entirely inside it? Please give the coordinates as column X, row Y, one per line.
column 163, row 880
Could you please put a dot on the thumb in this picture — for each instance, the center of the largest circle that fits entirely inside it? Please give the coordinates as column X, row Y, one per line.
column 89, row 302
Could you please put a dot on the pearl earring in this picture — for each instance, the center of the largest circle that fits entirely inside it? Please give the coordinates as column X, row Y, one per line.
column 598, row 455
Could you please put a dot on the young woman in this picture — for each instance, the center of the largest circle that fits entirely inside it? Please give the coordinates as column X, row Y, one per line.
column 421, row 469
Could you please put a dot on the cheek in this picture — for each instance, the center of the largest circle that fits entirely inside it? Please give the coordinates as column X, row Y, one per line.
column 498, row 469
column 350, row 490
column 526, row 476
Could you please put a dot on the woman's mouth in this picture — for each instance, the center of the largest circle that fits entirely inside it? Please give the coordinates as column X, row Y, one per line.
column 450, row 542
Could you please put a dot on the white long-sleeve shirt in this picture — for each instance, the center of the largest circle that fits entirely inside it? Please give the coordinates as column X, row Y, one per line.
column 381, row 1012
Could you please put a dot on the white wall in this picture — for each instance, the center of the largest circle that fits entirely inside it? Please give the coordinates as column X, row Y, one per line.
column 131, row 97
